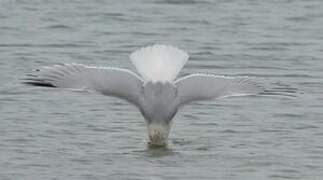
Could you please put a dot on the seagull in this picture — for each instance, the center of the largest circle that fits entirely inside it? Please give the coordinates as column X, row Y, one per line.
column 155, row 91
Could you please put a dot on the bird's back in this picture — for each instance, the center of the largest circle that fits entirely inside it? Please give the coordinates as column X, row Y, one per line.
column 158, row 101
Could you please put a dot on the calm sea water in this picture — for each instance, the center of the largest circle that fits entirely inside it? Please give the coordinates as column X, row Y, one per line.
column 57, row 134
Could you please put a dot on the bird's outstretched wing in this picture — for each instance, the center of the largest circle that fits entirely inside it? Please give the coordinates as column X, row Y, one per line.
column 117, row 82
column 197, row 87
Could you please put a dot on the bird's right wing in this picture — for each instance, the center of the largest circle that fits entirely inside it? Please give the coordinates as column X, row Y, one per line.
column 198, row 87
column 117, row 82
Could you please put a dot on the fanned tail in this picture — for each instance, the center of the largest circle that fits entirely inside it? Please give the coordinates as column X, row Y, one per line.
column 159, row 62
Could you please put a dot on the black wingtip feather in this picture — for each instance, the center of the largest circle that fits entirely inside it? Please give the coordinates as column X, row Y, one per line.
column 32, row 79
column 35, row 83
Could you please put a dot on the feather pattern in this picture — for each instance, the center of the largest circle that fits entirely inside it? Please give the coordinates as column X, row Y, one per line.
column 117, row 82
column 159, row 62
column 196, row 87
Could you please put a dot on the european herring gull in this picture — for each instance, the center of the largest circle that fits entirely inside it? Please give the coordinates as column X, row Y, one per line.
column 155, row 91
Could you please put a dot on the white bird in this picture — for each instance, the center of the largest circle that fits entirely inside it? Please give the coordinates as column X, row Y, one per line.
column 155, row 93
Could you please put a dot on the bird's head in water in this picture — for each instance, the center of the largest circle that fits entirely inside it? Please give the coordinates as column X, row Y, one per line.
column 158, row 133
column 158, row 108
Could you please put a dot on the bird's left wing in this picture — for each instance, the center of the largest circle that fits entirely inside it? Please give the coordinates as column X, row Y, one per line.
column 117, row 82
column 198, row 87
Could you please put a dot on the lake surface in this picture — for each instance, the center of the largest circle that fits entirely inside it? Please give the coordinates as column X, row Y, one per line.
column 57, row 134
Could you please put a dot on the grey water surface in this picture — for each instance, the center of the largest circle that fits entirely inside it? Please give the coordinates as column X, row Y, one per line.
column 56, row 134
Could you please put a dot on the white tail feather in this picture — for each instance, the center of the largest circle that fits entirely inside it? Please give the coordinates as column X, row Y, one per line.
column 159, row 62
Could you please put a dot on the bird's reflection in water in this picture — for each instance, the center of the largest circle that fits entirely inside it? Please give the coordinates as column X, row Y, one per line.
column 158, row 151
column 152, row 150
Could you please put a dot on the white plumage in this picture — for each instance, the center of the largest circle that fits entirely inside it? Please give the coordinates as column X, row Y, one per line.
column 156, row 93
column 159, row 62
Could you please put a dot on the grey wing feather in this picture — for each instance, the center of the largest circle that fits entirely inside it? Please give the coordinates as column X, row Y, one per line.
column 197, row 87
column 117, row 82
